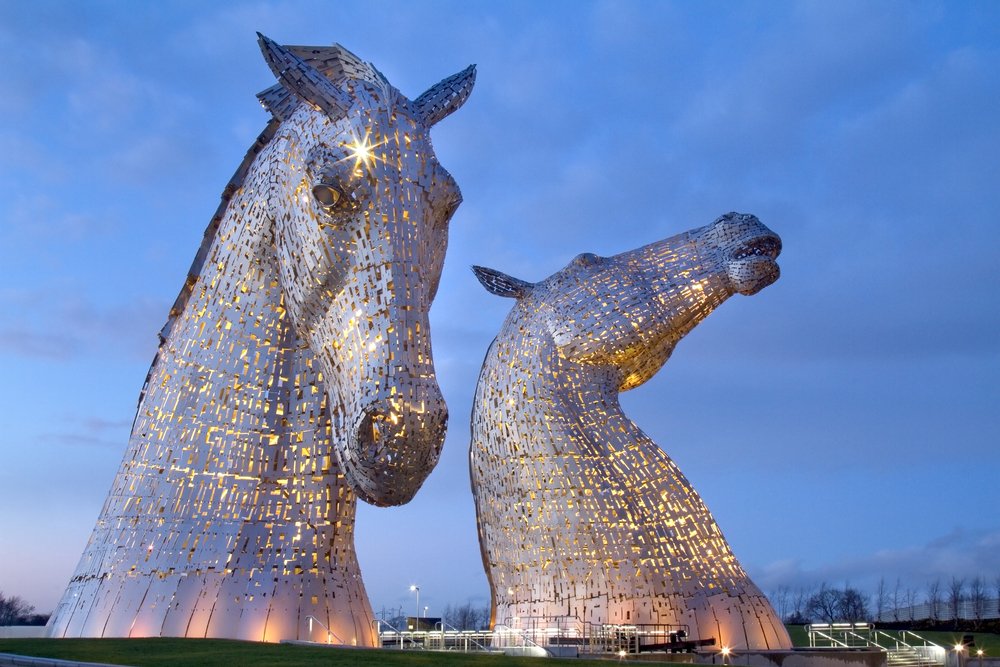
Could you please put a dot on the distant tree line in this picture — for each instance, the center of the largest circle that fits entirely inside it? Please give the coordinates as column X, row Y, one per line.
column 956, row 604
column 467, row 617
column 15, row 611
column 826, row 605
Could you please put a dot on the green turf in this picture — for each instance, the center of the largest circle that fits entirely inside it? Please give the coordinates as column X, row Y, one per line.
column 228, row 653
column 798, row 635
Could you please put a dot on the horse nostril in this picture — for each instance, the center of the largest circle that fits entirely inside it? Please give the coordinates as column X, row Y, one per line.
column 371, row 436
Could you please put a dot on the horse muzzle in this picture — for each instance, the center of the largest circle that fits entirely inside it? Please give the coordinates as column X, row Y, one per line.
column 394, row 446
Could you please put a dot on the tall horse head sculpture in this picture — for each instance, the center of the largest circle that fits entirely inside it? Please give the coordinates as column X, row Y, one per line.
column 582, row 518
column 361, row 207
column 294, row 373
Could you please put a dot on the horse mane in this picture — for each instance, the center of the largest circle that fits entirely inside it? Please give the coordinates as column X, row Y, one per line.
column 337, row 64
column 233, row 186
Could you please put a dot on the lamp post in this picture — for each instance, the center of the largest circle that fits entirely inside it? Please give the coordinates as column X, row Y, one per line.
column 416, row 589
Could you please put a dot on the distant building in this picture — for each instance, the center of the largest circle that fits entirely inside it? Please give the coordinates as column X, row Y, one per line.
column 423, row 623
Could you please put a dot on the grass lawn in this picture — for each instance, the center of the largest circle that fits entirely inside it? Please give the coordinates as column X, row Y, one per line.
column 227, row 653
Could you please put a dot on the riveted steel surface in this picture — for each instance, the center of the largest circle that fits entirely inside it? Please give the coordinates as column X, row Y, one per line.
column 294, row 374
column 582, row 518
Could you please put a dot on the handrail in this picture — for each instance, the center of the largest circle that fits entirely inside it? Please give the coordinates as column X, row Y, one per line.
column 894, row 643
column 927, row 642
column 382, row 622
column 559, row 623
column 390, row 625
column 523, row 633
column 639, row 636
column 443, row 624
column 329, row 632
column 867, row 641
column 898, row 641
column 830, row 638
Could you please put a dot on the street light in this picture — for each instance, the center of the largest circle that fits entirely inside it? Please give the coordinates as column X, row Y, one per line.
column 416, row 589
column 425, row 610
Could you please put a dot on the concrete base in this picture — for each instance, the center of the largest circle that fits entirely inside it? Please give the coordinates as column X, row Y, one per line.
column 21, row 631
column 652, row 658
column 14, row 660
column 797, row 658
column 526, row 651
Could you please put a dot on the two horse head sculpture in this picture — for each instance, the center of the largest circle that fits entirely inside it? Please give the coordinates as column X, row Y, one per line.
column 295, row 374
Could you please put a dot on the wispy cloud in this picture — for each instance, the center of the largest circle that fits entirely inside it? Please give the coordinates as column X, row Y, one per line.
column 38, row 218
column 960, row 553
column 55, row 326
column 89, row 432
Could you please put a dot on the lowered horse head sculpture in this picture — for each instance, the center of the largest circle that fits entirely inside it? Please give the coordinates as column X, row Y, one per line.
column 293, row 376
column 582, row 518
column 361, row 209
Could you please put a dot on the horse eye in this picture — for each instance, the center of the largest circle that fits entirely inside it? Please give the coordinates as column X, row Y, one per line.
column 327, row 195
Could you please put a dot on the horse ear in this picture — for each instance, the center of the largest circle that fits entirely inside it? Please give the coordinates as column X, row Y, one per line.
column 445, row 97
column 303, row 80
column 501, row 284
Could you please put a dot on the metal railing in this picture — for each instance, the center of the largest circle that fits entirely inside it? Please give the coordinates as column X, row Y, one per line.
column 443, row 638
column 329, row 633
column 389, row 638
column 451, row 638
column 605, row 637
column 902, row 647
column 909, row 648
column 840, row 635
column 547, row 635
column 644, row 637
column 505, row 637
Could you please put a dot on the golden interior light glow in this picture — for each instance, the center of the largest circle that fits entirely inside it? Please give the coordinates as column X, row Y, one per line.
column 638, row 546
column 232, row 514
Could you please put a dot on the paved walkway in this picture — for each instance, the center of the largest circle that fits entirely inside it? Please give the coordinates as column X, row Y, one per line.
column 14, row 660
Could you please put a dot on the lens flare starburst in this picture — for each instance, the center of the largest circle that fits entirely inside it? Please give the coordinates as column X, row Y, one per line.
column 362, row 151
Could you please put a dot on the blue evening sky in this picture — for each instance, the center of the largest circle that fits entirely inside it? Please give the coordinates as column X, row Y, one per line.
column 841, row 425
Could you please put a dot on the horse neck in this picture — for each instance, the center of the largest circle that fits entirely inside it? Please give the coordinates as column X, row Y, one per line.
column 228, row 342
column 524, row 379
column 233, row 391
column 566, row 420
column 234, row 315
